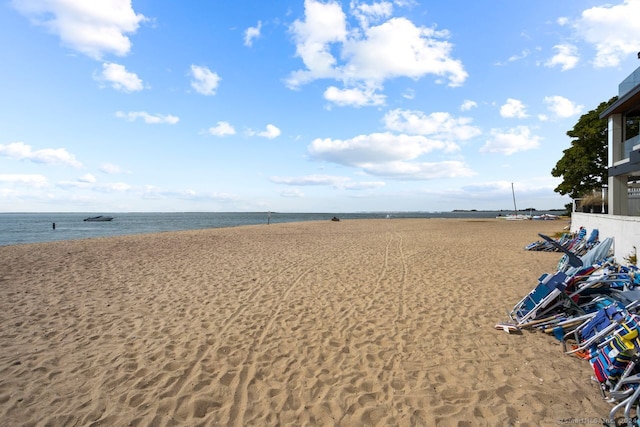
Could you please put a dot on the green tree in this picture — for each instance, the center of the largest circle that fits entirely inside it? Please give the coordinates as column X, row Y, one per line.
column 583, row 167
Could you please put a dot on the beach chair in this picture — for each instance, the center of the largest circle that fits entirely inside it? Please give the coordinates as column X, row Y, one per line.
column 599, row 279
column 616, row 355
column 587, row 334
column 545, row 297
column 596, row 255
column 578, row 239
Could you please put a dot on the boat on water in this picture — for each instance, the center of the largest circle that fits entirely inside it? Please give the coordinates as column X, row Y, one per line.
column 99, row 218
column 515, row 216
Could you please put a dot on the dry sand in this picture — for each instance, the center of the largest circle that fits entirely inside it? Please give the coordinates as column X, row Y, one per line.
column 357, row 322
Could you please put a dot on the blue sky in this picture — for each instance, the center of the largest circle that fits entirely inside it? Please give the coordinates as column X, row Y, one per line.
column 299, row 106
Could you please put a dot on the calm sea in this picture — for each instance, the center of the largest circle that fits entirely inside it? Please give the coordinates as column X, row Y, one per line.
column 17, row 228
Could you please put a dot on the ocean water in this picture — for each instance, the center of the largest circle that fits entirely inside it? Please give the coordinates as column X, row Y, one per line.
column 19, row 228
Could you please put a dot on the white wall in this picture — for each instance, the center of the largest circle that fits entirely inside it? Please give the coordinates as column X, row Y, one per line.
column 625, row 231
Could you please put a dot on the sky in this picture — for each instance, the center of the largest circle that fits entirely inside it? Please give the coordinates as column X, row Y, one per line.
column 299, row 105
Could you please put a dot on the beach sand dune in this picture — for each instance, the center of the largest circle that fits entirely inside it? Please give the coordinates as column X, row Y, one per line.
column 362, row 322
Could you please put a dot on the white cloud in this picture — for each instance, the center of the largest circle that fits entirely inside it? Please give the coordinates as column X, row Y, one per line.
column 397, row 48
column 409, row 94
column 87, row 178
column 366, row 13
column 513, row 108
column 562, row 107
column 51, row 156
column 148, row 118
column 222, row 129
column 339, row 182
column 151, row 192
column 408, row 171
column 94, row 28
column 354, row 97
column 439, row 125
column 468, row 105
column 364, row 185
column 109, row 168
column 116, row 187
column 373, row 148
column 270, row 132
column 614, row 31
column 119, row 78
column 28, row 180
column 511, row 141
column 324, row 23
column 518, row 57
column 205, row 82
column 87, row 181
column 252, row 33
column 566, row 57
column 312, row 180
column 405, row 3
column 293, row 193
column 514, row 58
column 389, row 155
column 372, row 54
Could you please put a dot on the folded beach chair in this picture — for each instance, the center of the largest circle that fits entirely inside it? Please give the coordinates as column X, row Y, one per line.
column 598, row 279
column 577, row 240
column 583, row 246
column 590, row 242
column 595, row 255
column 586, row 335
column 613, row 356
column 545, row 297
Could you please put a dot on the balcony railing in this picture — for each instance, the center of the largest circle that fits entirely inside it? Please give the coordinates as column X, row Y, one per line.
column 629, row 144
column 633, row 193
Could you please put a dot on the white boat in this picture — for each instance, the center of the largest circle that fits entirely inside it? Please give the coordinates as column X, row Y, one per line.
column 99, row 218
column 546, row 217
column 515, row 216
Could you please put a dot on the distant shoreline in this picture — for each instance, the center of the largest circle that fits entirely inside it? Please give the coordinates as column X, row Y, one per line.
column 508, row 210
column 18, row 228
column 277, row 212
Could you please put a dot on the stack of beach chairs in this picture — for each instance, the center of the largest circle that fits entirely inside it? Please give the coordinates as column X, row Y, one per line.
column 592, row 305
column 577, row 243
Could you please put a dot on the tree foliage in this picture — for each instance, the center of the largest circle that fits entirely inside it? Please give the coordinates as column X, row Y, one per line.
column 583, row 167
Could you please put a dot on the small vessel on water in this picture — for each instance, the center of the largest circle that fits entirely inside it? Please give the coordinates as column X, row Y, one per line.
column 515, row 216
column 99, row 218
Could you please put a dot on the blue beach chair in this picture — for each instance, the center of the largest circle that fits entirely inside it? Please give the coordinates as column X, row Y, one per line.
column 588, row 333
column 541, row 300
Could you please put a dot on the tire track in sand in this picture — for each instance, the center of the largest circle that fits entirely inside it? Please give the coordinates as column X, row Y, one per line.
column 202, row 351
column 392, row 371
column 370, row 294
column 381, row 274
column 401, row 318
column 241, row 394
column 402, row 307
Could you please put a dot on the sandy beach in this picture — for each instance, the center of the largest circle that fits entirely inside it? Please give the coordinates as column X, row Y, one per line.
column 350, row 323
